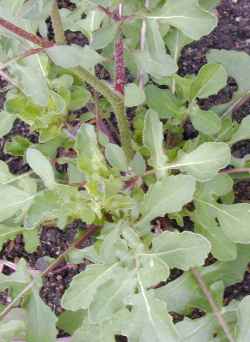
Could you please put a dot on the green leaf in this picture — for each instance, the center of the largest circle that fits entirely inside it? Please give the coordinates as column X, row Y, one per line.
column 17, row 280
column 104, row 36
column 138, row 164
column 187, row 16
column 243, row 329
column 12, row 200
column 163, row 102
column 153, row 140
column 150, row 320
column 32, row 79
column 84, row 286
column 209, row 4
column 181, row 250
column 31, row 239
column 176, row 40
column 206, row 122
column 6, row 122
column 41, row 166
column 134, row 95
column 17, row 146
column 11, row 329
column 116, row 157
column 243, row 131
column 70, row 321
column 166, row 196
column 70, row 56
column 205, row 161
column 80, row 96
column 211, row 78
column 236, row 63
column 234, row 221
column 153, row 270
column 104, row 332
column 8, row 233
column 41, row 321
column 111, row 296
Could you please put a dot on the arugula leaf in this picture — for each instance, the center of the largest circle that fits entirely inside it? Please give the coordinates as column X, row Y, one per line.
column 166, row 196
column 153, row 139
column 41, row 166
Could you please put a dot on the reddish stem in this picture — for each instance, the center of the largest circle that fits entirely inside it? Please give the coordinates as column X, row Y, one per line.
column 24, row 34
column 119, row 66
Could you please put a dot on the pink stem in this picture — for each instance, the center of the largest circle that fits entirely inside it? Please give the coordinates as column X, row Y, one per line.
column 24, row 34
column 120, row 73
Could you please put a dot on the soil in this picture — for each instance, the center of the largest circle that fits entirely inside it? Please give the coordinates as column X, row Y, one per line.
column 233, row 32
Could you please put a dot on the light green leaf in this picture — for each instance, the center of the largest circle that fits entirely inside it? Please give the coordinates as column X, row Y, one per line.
column 104, row 332
column 243, row 131
column 5, row 175
column 41, row 321
column 138, row 164
column 70, row 321
column 163, row 102
column 134, row 96
column 206, row 122
column 31, row 239
column 104, row 36
column 153, row 67
column 234, row 221
column 209, row 4
column 223, row 248
column 33, row 80
column 17, row 280
column 70, row 56
column 236, row 63
column 12, row 200
column 153, row 140
column 84, row 286
column 79, row 97
column 153, row 270
column 187, row 16
column 205, row 161
column 111, row 296
column 211, row 78
column 243, row 314
column 181, row 250
column 116, row 157
column 176, row 40
column 8, row 233
column 41, row 166
column 6, row 122
column 166, row 196
column 11, row 329
column 150, row 321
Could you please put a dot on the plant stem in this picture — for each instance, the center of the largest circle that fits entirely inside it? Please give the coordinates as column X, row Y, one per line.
column 235, row 171
column 116, row 100
column 90, row 231
column 199, row 278
column 24, row 34
column 142, row 45
column 117, row 103
column 57, row 25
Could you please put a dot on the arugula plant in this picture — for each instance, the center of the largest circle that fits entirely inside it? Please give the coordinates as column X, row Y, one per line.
column 120, row 189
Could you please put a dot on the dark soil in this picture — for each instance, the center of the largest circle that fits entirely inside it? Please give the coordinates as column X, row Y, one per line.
column 233, row 32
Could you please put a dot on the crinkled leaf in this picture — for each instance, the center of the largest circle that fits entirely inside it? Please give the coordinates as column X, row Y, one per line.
column 41, row 166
